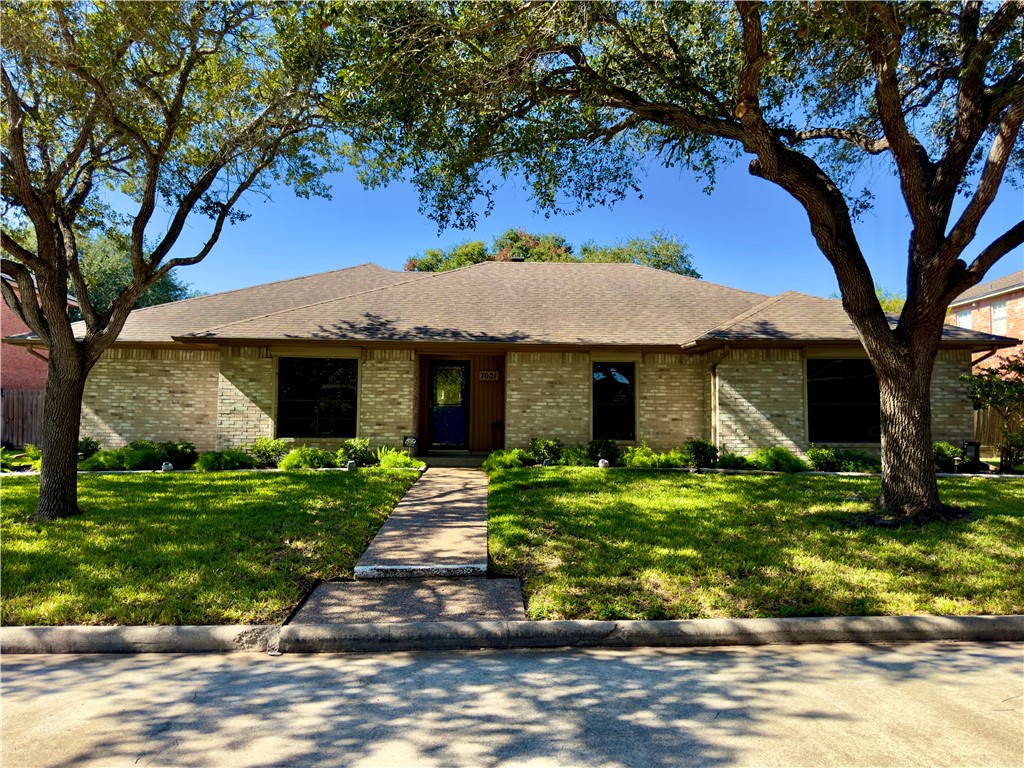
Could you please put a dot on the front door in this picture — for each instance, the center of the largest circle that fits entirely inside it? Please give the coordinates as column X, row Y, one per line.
column 448, row 404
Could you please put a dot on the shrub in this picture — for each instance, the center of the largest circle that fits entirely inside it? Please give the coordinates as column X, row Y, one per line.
column 541, row 449
column 509, row 458
column 944, row 455
column 824, row 459
column 778, row 459
column 143, row 456
column 182, row 454
column 13, row 462
column 305, row 457
column 88, row 446
column 576, row 457
column 395, row 458
column 604, row 448
column 32, row 456
column 699, row 453
column 639, row 457
column 104, row 460
column 218, row 461
column 356, row 449
column 729, row 460
column 266, row 452
column 828, row 459
column 675, row 459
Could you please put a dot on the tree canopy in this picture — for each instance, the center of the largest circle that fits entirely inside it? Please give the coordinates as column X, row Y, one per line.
column 572, row 98
column 177, row 108
column 660, row 251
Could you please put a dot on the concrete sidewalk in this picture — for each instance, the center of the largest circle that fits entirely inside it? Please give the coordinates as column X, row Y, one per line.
column 439, row 528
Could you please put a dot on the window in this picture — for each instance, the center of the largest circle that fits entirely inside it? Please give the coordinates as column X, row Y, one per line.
column 999, row 318
column 842, row 402
column 963, row 319
column 316, row 397
column 614, row 399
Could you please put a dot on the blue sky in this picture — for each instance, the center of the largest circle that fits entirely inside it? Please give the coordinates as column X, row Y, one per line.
column 747, row 234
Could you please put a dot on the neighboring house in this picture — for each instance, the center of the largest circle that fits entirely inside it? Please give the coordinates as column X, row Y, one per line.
column 22, row 381
column 996, row 307
column 491, row 355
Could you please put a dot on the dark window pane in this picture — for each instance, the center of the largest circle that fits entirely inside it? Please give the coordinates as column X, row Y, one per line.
column 316, row 397
column 614, row 401
column 842, row 402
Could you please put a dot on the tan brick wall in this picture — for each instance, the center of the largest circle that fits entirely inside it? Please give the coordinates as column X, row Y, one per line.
column 671, row 404
column 388, row 395
column 761, row 400
column 152, row 394
column 246, row 396
column 547, row 394
column 952, row 413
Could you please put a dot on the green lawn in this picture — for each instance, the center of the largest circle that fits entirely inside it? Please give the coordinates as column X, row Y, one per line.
column 604, row 544
column 187, row 548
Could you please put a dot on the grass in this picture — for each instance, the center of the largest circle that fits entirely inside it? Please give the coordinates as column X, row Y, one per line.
column 603, row 544
column 187, row 548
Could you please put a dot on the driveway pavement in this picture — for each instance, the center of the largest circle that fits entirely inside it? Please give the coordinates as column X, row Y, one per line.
column 927, row 704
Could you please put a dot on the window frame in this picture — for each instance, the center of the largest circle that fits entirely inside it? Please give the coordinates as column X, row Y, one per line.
column 960, row 315
column 355, row 400
column 595, row 403
column 872, row 436
column 1002, row 319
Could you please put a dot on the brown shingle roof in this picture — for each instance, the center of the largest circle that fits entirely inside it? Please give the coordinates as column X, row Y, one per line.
column 536, row 303
column 163, row 321
column 999, row 285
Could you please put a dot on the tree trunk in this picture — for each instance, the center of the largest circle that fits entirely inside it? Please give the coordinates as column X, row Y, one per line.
column 62, row 417
column 909, row 486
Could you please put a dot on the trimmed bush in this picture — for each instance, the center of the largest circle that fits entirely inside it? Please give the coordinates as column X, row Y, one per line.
column 508, row 458
column 541, row 449
column 144, row 455
column 576, row 457
column 778, row 459
column 824, row 459
column 639, row 457
column 603, row 448
column 828, row 459
column 88, row 446
column 699, row 453
column 730, row 460
column 305, row 457
column 220, row 461
column 182, row 454
column 395, row 458
column 356, row 449
column 944, row 455
column 268, row 451
column 103, row 460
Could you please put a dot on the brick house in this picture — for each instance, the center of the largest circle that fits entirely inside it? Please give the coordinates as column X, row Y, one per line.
column 493, row 354
column 995, row 307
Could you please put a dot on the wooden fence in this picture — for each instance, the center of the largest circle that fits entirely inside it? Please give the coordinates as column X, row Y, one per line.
column 21, row 416
column 988, row 428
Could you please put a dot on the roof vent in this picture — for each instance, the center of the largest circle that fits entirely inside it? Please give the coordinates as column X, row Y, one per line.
column 517, row 257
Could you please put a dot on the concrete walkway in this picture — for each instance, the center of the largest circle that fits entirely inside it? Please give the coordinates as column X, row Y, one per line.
column 416, row 568
column 439, row 528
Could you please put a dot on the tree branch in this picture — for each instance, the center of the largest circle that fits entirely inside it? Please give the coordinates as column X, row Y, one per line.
column 24, row 303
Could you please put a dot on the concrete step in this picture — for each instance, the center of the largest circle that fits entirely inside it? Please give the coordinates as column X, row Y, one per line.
column 473, row 460
column 406, row 600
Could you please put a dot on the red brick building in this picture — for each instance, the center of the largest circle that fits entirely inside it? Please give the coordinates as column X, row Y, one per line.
column 996, row 307
column 19, row 368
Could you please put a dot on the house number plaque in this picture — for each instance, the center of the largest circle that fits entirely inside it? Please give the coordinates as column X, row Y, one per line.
column 488, row 375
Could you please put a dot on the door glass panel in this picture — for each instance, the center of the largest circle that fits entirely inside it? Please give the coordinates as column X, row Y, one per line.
column 449, row 416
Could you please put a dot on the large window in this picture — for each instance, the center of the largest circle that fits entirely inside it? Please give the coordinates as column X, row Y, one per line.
column 842, row 402
column 316, row 397
column 614, row 401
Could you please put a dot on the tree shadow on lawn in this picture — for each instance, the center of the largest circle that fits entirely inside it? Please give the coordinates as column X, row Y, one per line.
column 671, row 545
column 188, row 549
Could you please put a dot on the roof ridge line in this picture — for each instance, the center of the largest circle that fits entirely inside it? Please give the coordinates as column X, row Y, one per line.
column 420, row 276
column 746, row 313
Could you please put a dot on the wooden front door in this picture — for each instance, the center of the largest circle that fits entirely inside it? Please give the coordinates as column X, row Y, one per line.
column 463, row 402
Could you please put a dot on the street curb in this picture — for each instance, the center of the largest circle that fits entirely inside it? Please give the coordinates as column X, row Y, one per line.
column 148, row 639
column 471, row 635
column 306, row 638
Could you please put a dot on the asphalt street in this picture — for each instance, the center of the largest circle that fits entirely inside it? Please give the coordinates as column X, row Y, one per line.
column 927, row 704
